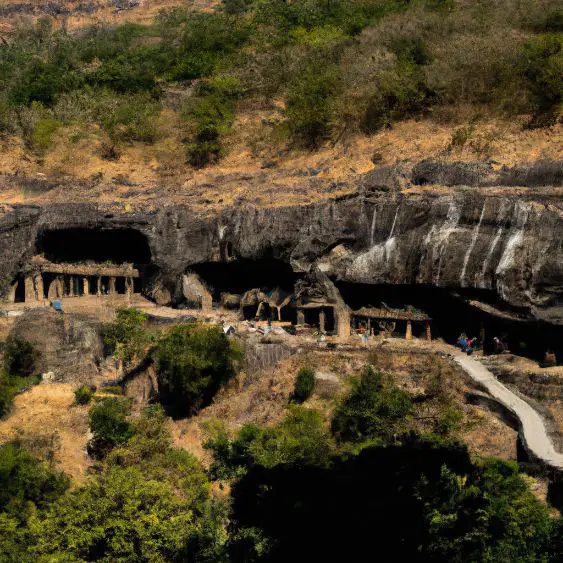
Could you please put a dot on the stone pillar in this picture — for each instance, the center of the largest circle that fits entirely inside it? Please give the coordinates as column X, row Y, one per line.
column 300, row 317
column 85, row 286
column 111, row 290
column 11, row 297
column 369, row 326
column 428, row 331
column 60, row 287
column 322, row 321
column 343, row 321
column 99, row 286
column 39, row 289
column 71, row 286
column 29, row 290
column 408, row 335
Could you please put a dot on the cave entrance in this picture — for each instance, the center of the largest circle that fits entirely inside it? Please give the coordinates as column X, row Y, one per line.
column 19, row 295
column 239, row 276
column 452, row 314
column 117, row 246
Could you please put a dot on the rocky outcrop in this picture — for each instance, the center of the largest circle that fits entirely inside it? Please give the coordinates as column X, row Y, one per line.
column 70, row 346
column 510, row 247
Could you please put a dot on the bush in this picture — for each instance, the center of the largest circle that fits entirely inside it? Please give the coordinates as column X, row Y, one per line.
column 310, row 103
column 193, row 361
column 83, row 394
column 19, row 357
column 304, row 384
column 374, row 410
column 543, row 67
column 24, row 479
column 301, row 439
column 211, row 114
column 126, row 338
column 123, row 515
column 109, row 425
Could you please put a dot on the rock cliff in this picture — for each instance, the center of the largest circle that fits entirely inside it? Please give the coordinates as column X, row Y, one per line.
column 508, row 246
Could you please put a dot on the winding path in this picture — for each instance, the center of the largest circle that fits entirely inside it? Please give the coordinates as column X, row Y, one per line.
column 532, row 428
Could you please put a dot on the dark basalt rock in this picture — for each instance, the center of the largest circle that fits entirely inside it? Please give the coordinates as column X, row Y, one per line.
column 510, row 247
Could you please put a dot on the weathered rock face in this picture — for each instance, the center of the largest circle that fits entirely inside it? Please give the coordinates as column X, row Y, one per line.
column 68, row 345
column 509, row 246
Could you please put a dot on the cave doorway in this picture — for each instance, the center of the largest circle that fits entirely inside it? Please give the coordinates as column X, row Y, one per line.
column 239, row 276
column 452, row 314
column 19, row 295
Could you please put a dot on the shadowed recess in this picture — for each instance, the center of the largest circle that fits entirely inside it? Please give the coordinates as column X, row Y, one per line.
column 98, row 245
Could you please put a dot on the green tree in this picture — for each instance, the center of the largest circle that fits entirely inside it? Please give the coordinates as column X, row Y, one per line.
column 19, row 357
column 122, row 516
column 310, row 103
column 24, row 480
column 543, row 67
column 304, row 384
column 490, row 515
column 301, row 439
column 109, row 425
column 193, row 361
column 127, row 337
column 83, row 394
column 374, row 410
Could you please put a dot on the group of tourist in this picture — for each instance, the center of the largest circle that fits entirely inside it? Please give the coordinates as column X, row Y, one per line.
column 469, row 345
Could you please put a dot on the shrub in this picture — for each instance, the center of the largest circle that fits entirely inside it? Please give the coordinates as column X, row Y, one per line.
column 543, row 67
column 109, row 425
column 43, row 134
column 231, row 458
column 123, row 515
column 126, row 338
column 25, row 479
column 301, row 439
column 211, row 114
column 310, row 102
column 374, row 410
column 113, row 390
column 304, row 384
column 83, row 394
column 19, row 357
column 193, row 361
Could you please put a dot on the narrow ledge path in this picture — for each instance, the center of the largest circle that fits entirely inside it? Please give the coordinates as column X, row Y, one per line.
column 532, row 428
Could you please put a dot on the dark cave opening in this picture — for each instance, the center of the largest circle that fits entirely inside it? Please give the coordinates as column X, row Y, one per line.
column 452, row 314
column 117, row 246
column 20, row 291
column 242, row 275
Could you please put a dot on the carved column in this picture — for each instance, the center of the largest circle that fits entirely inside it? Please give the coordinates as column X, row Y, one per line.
column 322, row 321
column 428, row 331
column 85, row 286
column 112, row 286
column 60, row 289
column 71, row 286
column 39, row 289
column 29, row 290
column 99, row 286
column 408, row 335
column 300, row 317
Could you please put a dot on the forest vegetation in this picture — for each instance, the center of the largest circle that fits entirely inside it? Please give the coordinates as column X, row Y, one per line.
column 363, row 480
column 331, row 67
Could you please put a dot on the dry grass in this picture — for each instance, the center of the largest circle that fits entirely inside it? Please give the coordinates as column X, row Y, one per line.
column 143, row 13
column 46, row 413
column 256, row 169
column 262, row 398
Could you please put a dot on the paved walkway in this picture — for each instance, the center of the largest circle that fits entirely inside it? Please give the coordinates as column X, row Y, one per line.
column 532, row 428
